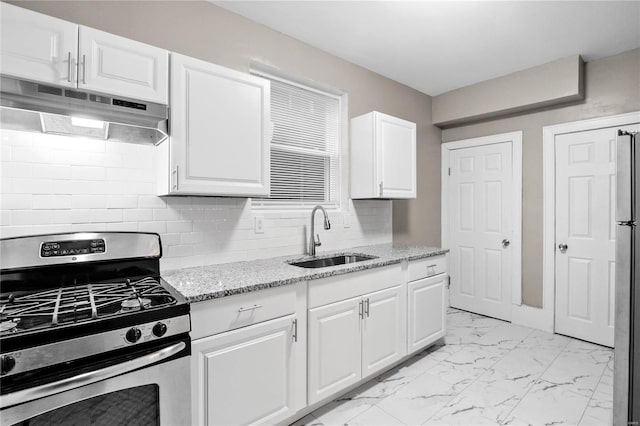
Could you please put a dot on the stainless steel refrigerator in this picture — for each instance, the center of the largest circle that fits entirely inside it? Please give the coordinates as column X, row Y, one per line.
column 626, row 384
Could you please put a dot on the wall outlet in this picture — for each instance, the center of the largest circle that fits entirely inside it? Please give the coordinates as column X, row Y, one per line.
column 258, row 227
column 346, row 220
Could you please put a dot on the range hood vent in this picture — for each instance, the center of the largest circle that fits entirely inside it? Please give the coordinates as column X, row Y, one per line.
column 30, row 106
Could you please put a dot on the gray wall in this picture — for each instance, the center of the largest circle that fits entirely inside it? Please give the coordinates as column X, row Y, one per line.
column 208, row 32
column 612, row 87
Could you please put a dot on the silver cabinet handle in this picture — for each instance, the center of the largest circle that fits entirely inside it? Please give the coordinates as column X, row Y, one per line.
column 69, row 67
column 366, row 307
column 380, row 188
column 175, row 173
column 89, row 377
column 84, row 69
column 360, row 314
column 250, row 308
column 505, row 243
column 563, row 247
column 295, row 330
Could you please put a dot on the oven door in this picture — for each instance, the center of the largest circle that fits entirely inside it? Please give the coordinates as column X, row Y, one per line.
column 143, row 391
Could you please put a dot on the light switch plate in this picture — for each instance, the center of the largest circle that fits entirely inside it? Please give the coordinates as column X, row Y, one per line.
column 258, row 227
column 346, row 220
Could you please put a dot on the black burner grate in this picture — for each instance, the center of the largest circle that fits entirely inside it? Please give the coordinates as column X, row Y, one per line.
column 69, row 304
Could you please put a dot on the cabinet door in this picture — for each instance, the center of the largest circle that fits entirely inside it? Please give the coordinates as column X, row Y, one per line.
column 383, row 331
column 334, row 348
column 426, row 311
column 119, row 66
column 220, row 130
column 245, row 376
column 37, row 47
column 396, row 153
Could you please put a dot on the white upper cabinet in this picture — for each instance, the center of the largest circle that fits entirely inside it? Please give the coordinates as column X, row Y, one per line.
column 220, row 131
column 119, row 66
column 37, row 47
column 383, row 157
column 49, row 50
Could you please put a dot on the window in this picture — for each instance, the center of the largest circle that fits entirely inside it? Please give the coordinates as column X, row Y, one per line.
column 305, row 149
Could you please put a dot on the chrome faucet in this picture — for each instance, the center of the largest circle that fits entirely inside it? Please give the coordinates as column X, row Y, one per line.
column 313, row 242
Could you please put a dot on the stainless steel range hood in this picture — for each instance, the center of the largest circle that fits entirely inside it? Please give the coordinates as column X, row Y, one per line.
column 29, row 106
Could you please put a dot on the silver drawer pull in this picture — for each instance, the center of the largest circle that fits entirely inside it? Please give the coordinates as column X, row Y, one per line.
column 432, row 266
column 250, row 308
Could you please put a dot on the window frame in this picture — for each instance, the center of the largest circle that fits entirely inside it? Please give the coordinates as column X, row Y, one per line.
column 342, row 185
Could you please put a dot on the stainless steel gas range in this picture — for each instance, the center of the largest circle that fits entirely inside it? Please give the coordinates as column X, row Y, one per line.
column 90, row 333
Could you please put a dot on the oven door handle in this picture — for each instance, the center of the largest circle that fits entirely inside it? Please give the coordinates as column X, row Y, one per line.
column 84, row 379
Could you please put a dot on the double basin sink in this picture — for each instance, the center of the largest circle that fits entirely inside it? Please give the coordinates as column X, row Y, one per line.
column 325, row 262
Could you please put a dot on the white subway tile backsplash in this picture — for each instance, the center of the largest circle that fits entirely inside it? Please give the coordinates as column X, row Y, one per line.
column 138, row 215
column 31, row 186
column 16, row 201
column 86, row 201
column 88, row 173
column 180, row 226
column 106, row 215
column 51, row 201
column 157, row 227
column 122, row 202
column 51, row 171
column 151, row 202
column 31, row 217
column 61, row 184
column 16, row 170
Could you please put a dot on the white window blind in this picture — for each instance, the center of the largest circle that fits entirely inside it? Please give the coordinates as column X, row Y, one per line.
column 305, row 149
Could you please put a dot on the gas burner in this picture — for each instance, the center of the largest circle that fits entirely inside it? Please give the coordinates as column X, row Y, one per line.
column 80, row 303
column 135, row 304
column 9, row 326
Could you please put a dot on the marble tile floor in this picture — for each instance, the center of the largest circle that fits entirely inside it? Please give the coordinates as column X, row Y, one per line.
column 487, row 372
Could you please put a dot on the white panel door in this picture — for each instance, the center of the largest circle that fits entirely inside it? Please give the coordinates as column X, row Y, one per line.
column 37, row 47
column 245, row 376
column 396, row 150
column 480, row 229
column 334, row 348
column 383, row 330
column 221, row 130
column 426, row 313
column 585, row 223
column 119, row 66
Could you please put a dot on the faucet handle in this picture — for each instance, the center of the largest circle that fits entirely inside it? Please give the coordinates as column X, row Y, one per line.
column 317, row 240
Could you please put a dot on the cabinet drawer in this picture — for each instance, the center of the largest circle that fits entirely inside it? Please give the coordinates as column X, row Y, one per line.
column 427, row 267
column 219, row 315
column 342, row 287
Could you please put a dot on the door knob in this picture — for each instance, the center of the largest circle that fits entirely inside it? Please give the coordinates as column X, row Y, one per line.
column 563, row 247
column 505, row 243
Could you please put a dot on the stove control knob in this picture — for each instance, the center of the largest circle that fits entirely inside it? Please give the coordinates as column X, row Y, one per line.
column 133, row 335
column 7, row 362
column 160, row 329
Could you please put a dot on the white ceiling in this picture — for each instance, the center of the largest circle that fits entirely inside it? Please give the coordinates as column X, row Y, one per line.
column 437, row 46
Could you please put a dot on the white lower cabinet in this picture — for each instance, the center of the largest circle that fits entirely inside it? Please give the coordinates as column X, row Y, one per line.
column 383, row 330
column 353, row 339
column 426, row 312
column 334, row 347
column 246, row 376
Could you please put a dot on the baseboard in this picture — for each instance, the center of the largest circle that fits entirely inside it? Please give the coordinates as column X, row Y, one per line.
column 529, row 316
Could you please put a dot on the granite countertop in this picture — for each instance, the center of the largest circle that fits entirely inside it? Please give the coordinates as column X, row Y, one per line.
column 215, row 281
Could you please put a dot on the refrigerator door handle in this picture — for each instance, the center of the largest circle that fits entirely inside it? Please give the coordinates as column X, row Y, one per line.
column 625, row 178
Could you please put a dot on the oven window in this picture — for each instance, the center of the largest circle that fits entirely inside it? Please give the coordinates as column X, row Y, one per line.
column 137, row 406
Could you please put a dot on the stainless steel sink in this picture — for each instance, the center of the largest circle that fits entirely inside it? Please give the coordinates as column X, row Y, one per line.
column 332, row 261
